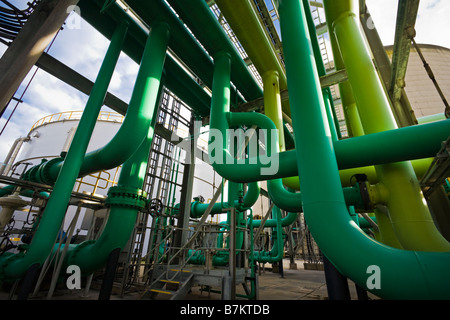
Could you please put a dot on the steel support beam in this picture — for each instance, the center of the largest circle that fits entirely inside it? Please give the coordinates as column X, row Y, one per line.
column 406, row 20
column 401, row 108
column 29, row 45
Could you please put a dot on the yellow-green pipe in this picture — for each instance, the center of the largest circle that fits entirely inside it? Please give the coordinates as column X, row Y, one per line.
column 404, row 274
column 272, row 103
column 249, row 30
column 408, row 210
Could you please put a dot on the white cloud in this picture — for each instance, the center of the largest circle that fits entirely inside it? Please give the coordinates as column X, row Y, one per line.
column 82, row 50
column 431, row 24
column 384, row 15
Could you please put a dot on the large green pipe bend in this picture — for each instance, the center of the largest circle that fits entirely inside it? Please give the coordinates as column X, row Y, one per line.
column 292, row 201
column 404, row 274
column 429, row 135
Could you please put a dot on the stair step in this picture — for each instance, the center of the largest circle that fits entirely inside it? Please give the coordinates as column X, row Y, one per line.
column 178, row 270
column 162, row 291
column 170, row 281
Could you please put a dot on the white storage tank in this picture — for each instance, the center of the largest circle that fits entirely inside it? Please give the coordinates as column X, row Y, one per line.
column 421, row 92
column 47, row 139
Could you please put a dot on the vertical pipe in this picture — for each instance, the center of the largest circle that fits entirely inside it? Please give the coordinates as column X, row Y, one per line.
column 408, row 210
column 56, row 207
column 424, row 274
column 272, row 103
column 122, row 217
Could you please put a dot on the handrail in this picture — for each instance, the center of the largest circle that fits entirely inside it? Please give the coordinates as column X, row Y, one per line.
column 76, row 115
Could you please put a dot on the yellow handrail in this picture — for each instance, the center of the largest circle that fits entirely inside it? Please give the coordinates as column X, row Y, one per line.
column 76, row 115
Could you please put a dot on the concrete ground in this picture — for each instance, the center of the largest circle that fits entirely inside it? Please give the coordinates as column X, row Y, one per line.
column 299, row 284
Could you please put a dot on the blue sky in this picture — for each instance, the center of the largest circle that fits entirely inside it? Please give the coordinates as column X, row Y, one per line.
column 83, row 50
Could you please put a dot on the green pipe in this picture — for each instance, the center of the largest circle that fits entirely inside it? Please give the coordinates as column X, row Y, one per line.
column 127, row 198
column 291, row 201
column 41, row 245
column 178, row 81
column 334, row 125
column 182, row 42
column 248, row 28
column 276, row 254
column 221, row 119
column 431, row 118
column 407, row 143
column 137, row 119
column 408, row 210
column 404, row 274
column 249, row 199
column 7, row 190
column 187, row 48
column 197, row 14
column 272, row 103
column 271, row 223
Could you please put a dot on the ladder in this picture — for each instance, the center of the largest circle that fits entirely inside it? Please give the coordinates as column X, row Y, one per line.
column 156, row 185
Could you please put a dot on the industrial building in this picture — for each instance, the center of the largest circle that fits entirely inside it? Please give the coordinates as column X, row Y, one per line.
column 266, row 138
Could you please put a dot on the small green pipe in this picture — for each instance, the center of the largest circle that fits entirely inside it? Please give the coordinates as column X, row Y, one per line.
column 276, row 254
column 249, row 199
column 7, row 190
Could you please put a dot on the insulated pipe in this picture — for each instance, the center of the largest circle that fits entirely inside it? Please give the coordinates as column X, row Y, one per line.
column 404, row 274
column 41, row 246
column 408, row 211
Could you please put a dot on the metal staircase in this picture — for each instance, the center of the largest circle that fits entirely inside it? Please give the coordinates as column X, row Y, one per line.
column 170, row 284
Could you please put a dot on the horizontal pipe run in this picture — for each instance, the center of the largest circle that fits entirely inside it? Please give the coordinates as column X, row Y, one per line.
column 292, row 202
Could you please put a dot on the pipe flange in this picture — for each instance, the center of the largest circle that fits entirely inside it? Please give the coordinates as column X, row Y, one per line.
column 44, row 171
column 32, row 174
column 121, row 196
column 72, row 258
